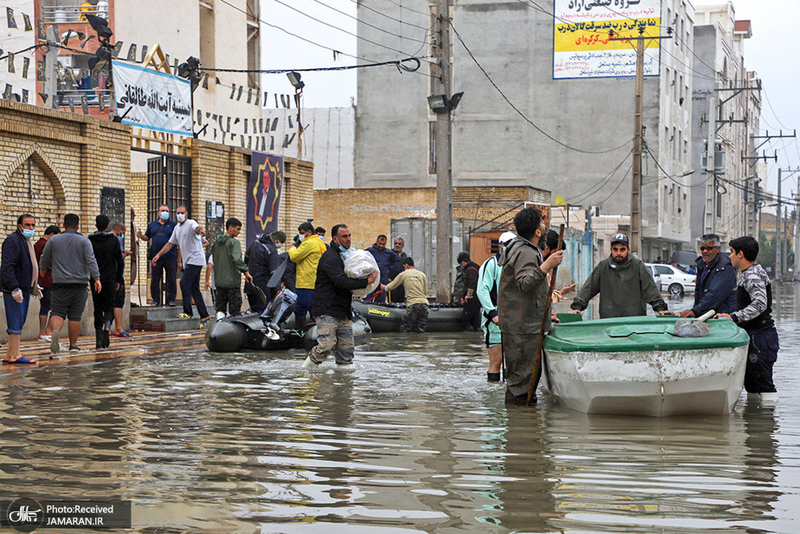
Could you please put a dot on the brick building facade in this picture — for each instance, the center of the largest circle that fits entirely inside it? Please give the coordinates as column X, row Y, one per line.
column 369, row 211
column 53, row 162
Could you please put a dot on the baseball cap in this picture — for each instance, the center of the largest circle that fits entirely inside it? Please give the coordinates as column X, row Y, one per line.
column 620, row 238
column 506, row 237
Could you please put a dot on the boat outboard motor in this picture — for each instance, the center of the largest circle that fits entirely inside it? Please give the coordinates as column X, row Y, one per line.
column 278, row 312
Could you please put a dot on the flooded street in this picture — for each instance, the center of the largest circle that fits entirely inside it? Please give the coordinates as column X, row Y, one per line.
column 409, row 439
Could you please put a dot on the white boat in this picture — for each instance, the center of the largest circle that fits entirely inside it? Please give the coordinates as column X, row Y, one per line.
column 636, row 366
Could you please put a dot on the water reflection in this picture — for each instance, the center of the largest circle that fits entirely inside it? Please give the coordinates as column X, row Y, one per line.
column 411, row 439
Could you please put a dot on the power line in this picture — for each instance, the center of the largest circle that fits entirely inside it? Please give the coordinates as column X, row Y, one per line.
column 362, row 6
column 370, row 25
column 300, row 11
column 399, row 63
column 309, row 41
column 578, row 199
column 624, row 176
column 519, row 112
column 401, row 6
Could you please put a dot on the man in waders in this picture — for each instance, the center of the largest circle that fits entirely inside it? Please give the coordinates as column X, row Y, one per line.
column 522, row 303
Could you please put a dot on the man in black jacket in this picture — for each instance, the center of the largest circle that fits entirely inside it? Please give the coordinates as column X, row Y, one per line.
column 332, row 303
column 471, row 314
column 111, row 265
column 262, row 260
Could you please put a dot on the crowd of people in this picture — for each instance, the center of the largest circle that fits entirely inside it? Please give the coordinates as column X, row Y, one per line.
column 521, row 308
column 507, row 297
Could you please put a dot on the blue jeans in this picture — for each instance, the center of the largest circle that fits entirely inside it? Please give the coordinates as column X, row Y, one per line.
column 190, row 289
column 16, row 312
column 304, row 299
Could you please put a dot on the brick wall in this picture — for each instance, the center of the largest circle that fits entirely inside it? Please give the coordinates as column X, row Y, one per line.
column 369, row 212
column 54, row 162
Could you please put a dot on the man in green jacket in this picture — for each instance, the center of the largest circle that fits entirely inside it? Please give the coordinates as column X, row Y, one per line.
column 624, row 284
column 522, row 303
column 228, row 266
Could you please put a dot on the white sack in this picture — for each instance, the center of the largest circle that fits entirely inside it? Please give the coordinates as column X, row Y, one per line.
column 359, row 264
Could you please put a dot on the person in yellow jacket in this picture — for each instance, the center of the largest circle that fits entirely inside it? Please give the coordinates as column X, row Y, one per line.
column 306, row 256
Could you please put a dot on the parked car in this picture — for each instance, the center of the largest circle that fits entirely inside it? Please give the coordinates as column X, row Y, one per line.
column 654, row 274
column 673, row 280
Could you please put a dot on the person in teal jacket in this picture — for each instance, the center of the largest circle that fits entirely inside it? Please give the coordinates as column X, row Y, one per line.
column 228, row 269
column 488, row 280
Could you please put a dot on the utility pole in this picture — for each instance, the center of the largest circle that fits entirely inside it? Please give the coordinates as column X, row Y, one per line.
column 778, row 237
column 444, row 160
column 710, row 219
column 795, row 275
column 51, row 68
column 636, row 172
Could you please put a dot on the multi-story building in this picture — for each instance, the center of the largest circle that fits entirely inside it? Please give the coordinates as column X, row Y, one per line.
column 725, row 94
column 222, row 35
column 572, row 135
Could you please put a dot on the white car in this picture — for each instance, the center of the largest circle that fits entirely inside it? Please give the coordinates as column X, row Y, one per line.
column 673, row 280
column 654, row 274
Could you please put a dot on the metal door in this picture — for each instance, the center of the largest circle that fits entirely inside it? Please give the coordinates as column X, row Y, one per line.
column 169, row 180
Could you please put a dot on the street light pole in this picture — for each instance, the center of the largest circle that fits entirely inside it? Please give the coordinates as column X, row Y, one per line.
column 443, row 147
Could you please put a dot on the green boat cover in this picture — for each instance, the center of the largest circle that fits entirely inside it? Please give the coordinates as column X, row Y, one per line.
column 637, row 334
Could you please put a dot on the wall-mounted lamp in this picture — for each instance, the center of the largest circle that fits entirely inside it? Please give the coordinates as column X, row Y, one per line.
column 442, row 104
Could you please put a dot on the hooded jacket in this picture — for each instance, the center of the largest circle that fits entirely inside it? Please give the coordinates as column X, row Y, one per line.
column 262, row 260
column 306, row 257
column 625, row 289
column 228, row 262
column 716, row 286
column 522, row 291
column 110, row 263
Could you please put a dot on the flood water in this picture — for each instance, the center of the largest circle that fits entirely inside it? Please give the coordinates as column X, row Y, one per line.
column 409, row 439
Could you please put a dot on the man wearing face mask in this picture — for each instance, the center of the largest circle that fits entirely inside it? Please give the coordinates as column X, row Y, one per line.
column 306, row 257
column 333, row 300
column 188, row 236
column 158, row 234
column 18, row 281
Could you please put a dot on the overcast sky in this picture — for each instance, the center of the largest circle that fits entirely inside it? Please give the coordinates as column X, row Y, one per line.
column 770, row 52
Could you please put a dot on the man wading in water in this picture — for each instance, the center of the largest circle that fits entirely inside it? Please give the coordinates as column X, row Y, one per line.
column 522, row 302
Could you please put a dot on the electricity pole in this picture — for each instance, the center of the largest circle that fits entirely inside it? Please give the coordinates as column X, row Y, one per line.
column 778, row 237
column 636, row 177
column 51, row 68
column 443, row 149
column 710, row 224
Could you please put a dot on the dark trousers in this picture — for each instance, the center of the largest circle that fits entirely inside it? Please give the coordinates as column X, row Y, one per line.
column 761, row 356
column 471, row 314
column 190, row 289
column 170, row 266
column 229, row 299
column 104, row 303
column 305, row 298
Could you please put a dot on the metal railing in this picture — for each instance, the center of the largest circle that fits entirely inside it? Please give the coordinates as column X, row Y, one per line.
column 68, row 11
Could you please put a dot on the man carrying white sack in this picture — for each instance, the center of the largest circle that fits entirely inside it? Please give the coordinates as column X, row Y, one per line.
column 332, row 306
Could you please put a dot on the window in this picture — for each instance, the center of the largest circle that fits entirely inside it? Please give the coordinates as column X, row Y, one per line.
column 207, row 30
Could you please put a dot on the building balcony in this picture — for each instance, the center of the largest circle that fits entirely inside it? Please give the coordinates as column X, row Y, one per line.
column 68, row 11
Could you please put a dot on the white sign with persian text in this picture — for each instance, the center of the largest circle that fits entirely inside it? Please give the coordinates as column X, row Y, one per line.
column 154, row 100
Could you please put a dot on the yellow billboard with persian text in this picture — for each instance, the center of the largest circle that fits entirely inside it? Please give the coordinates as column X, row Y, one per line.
column 582, row 47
